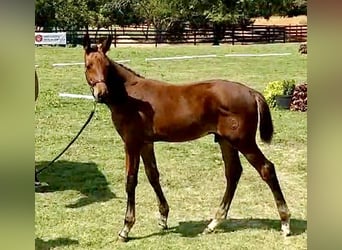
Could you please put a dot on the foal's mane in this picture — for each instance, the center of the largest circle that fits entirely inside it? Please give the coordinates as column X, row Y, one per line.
column 125, row 67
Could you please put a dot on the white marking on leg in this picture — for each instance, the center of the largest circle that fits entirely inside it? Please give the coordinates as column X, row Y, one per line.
column 285, row 227
column 213, row 224
column 124, row 232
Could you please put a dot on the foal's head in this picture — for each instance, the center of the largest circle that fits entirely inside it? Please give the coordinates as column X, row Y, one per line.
column 97, row 65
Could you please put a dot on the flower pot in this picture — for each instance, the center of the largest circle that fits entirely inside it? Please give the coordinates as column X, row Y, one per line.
column 283, row 101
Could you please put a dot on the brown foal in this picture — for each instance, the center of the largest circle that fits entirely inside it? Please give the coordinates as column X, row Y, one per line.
column 145, row 110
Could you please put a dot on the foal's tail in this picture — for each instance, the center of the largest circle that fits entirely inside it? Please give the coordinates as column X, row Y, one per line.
column 265, row 119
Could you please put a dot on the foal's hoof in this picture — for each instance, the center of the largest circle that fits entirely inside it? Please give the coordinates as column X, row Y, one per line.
column 285, row 228
column 122, row 238
column 40, row 185
column 163, row 224
column 207, row 230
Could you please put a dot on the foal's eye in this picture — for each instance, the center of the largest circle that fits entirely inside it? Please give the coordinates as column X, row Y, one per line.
column 88, row 66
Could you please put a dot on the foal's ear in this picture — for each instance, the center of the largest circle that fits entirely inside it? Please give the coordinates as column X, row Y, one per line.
column 86, row 42
column 106, row 44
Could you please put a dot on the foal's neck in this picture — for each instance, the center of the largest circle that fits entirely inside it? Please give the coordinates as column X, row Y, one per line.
column 121, row 73
column 118, row 77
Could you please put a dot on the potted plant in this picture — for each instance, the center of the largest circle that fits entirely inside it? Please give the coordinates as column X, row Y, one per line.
column 279, row 93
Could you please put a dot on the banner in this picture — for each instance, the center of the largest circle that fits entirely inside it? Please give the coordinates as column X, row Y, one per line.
column 50, row 38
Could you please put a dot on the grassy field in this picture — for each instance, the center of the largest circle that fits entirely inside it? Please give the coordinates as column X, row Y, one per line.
column 84, row 206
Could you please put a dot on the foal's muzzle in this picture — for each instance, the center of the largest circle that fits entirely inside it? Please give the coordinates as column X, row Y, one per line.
column 99, row 91
column 95, row 95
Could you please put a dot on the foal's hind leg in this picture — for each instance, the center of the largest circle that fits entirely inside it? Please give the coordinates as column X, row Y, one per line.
column 152, row 173
column 267, row 172
column 233, row 170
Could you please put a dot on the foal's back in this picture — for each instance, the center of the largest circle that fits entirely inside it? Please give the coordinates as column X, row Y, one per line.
column 209, row 94
column 189, row 111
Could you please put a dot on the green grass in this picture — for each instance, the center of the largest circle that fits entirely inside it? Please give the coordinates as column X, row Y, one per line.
column 85, row 204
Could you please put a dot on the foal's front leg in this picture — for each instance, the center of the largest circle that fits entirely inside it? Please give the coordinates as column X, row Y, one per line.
column 132, row 168
column 152, row 173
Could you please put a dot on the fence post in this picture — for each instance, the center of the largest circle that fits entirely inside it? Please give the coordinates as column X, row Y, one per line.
column 215, row 37
column 290, row 31
column 252, row 33
column 155, row 38
column 115, row 38
column 194, row 36
column 233, row 35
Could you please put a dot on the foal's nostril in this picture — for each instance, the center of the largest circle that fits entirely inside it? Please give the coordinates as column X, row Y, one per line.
column 99, row 99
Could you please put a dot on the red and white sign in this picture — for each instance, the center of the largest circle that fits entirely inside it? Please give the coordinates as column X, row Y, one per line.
column 50, row 38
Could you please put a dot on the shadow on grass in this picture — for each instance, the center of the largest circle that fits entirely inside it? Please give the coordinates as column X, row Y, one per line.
column 50, row 244
column 83, row 177
column 195, row 228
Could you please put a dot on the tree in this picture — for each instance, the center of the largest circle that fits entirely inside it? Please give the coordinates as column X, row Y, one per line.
column 161, row 14
column 119, row 12
column 298, row 7
column 72, row 14
column 44, row 14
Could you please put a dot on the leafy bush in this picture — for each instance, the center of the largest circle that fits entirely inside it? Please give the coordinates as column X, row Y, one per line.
column 299, row 100
column 281, row 87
